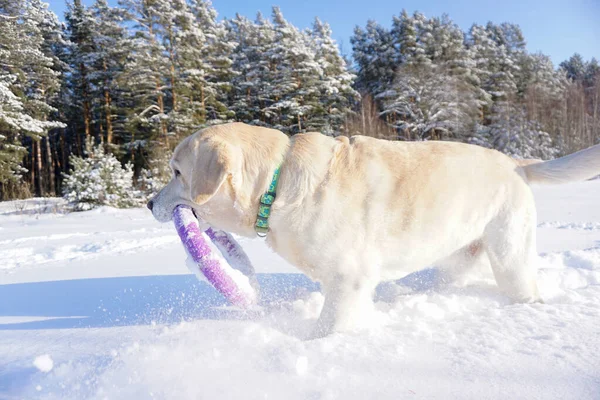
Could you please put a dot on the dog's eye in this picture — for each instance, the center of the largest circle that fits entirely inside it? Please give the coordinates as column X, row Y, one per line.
column 177, row 173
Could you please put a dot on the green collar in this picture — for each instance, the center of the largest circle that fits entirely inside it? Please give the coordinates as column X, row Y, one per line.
column 266, row 201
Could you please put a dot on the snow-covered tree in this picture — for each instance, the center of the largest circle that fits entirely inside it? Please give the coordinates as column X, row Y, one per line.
column 496, row 68
column 99, row 179
column 255, row 66
column 376, row 57
column 434, row 93
column 294, row 76
column 80, row 31
column 157, row 175
column 507, row 35
column 28, row 81
column 591, row 76
column 145, row 76
column 482, row 51
column 12, row 119
column 140, row 76
column 543, row 88
column 205, row 64
column 107, row 59
column 286, row 78
column 519, row 138
column 404, row 33
column 425, row 51
column 430, row 103
column 574, row 67
column 336, row 93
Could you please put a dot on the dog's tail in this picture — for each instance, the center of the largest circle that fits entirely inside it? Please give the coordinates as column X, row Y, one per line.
column 584, row 164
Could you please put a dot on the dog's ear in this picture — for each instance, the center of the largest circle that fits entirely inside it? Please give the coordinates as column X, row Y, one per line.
column 211, row 170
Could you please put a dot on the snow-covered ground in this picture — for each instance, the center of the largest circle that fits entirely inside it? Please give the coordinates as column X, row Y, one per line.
column 100, row 305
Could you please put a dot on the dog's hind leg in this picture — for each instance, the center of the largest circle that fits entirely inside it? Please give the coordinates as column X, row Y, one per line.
column 457, row 267
column 510, row 244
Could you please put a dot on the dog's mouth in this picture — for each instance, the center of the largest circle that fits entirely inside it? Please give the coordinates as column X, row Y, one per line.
column 200, row 220
column 195, row 215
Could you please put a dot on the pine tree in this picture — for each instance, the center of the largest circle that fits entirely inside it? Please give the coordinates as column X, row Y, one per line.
column 54, row 47
column 145, row 77
column 99, row 179
column 29, row 81
column 220, row 56
column 434, row 92
column 543, row 89
column 422, row 104
column 42, row 82
column 252, row 85
column 12, row 114
column 157, row 174
column 376, row 57
column 507, row 35
column 404, row 32
column 80, row 31
column 519, row 138
column 482, row 50
column 574, row 67
column 336, row 93
column 242, row 99
column 206, row 65
column 107, row 62
column 503, row 89
column 295, row 75
column 12, row 120
column 592, row 73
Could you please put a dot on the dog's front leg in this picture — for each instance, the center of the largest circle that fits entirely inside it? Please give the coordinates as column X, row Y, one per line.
column 348, row 304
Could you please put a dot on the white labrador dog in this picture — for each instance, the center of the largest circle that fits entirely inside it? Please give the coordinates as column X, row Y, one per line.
column 351, row 213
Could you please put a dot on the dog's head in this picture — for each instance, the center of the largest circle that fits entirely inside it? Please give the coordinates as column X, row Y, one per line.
column 221, row 172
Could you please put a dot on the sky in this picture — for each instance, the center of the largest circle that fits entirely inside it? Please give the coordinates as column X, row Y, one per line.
column 557, row 28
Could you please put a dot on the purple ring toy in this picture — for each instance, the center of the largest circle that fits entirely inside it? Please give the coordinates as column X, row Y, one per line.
column 230, row 272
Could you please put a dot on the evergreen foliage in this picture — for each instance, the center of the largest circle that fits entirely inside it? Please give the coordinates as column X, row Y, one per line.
column 136, row 78
column 99, row 179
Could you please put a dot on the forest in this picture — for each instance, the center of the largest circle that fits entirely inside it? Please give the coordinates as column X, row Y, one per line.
column 102, row 98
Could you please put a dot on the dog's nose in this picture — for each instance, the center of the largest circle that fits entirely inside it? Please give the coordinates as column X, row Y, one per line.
column 150, row 205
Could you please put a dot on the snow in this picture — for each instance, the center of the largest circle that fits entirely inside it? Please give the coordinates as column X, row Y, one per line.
column 102, row 301
column 44, row 363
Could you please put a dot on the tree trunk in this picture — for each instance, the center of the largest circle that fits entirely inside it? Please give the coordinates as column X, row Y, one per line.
column 132, row 148
column 87, row 119
column 101, row 132
column 159, row 99
column 203, row 103
column 32, row 175
column 173, row 92
column 50, row 166
column 57, row 165
column 78, row 144
column 172, row 68
column 596, row 105
column 161, row 108
column 107, row 108
column 37, row 153
column 108, row 113
column 63, row 148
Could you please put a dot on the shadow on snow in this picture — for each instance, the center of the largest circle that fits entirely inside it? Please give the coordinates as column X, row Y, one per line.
column 143, row 300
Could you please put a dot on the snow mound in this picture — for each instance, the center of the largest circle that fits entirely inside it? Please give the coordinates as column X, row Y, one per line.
column 44, row 363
